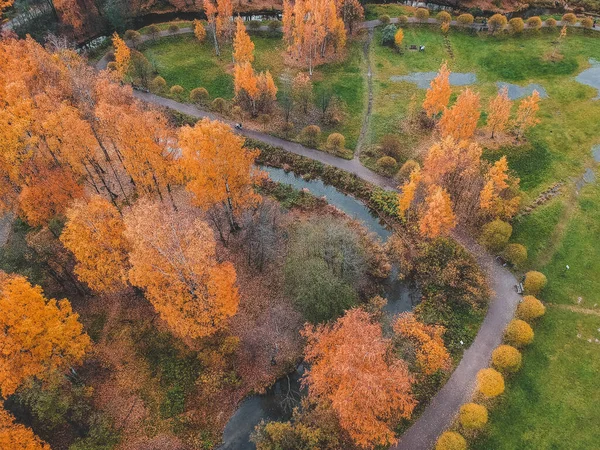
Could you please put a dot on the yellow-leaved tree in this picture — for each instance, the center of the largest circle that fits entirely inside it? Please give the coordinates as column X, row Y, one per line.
column 460, row 121
column 15, row 436
column 94, row 234
column 39, row 336
column 438, row 94
column 173, row 259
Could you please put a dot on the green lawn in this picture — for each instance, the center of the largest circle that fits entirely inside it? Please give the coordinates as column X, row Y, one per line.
column 184, row 61
column 557, row 148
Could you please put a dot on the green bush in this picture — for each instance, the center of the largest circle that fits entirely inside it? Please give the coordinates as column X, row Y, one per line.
column 506, row 358
column 384, row 19
column 254, row 24
column 387, row 163
column 402, row 20
column 154, row 31
column 274, row 25
column 219, row 105
column 388, row 34
column 158, row 85
column 495, row 235
column 516, row 254
column 534, row 282
column 311, row 135
column 173, row 28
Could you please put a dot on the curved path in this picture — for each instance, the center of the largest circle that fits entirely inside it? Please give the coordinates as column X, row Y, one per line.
column 439, row 414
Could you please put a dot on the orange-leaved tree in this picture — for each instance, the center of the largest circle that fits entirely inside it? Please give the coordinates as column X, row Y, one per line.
column 437, row 217
column 94, row 234
column 224, row 19
column 243, row 47
column 219, row 168
column 527, row 113
column 15, row 436
column 430, row 350
column 438, row 94
column 499, row 196
column 499, row 112
column 199, row 31
column 173, row 258
column 39, row 336
column 460, row 121
column 353, row 370
column 408, row 191
column 122, row 55
column 211, row 17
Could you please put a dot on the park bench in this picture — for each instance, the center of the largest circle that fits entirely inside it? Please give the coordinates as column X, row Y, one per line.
column 413, row 47
column 519, row 288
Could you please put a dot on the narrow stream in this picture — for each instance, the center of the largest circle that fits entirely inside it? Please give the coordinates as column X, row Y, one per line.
column 276, row 403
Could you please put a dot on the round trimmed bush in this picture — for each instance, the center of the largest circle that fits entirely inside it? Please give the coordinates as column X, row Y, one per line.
column 310, row 135
column 386, row 163
column 569, row 18
column 465, row 19
column 516, row 254
column 451, row 440
column 219, row 104
column 587, row 22
column 443, row 17
column 153, row 30
column 490, row 382
column 254, row 24
column 497, row 22
column 518, row 333
column 506, row 358
column 384, row 19
column 336, row 141
column 391, row 145
column 133, row 36
column 274, row 25
column 516, row 25
column 176, row 90
column 402, row 20
column 199, row 95
column 495, row 235
column 422, row 14
column 534, row 282
column 473, row 416
column 406, row 169
column 551, row 22
column 112, row 65
column 173, row 28
column 530, row 309
column 535, row 23
column 158, row 84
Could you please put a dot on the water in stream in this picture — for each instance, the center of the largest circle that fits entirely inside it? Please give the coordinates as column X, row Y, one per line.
column 591, row 76
column 424, row 79
column 274, row 405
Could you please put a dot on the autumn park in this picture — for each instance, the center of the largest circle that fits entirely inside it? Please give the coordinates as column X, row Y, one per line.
column 299, row 225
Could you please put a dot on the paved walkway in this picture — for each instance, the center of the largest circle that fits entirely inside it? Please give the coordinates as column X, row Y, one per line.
column 441, row 411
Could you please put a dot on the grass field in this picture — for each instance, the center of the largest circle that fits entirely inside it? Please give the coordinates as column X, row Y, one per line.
column 557, row 148
column 182, row 60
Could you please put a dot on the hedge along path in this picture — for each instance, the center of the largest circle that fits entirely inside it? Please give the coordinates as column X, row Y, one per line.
column 444, row 406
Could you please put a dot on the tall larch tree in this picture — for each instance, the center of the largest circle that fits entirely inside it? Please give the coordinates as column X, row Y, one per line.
column 15, row 436
column 287, row 22
column 243, row 47
column 438, row 94
column 437, row 217
column 173, row 259
column 94, row 233
column 211, row 17
column 499, row 112
column 224, row 21
column 527, row 113
column 122, row 55
column 219, row 168
column 39, row 336
column 199, row 31
column 499, row 196
column 352, row 13
column 407, row 193
column 460, row 121
column 429, row 347
column 352, row 369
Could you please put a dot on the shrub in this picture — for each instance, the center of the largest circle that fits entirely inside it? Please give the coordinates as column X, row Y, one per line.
column 274, row 25
column 391, row 145
column 199, row 95
column 311, row 135
column 336, row 141
column 173, row 28
column 516, row 25
column 388, row 34
column 530, row 309
column 551, row 22
column 386, row 163
column 569, row 18
column 516, row 254
column 497, row 22
column 473, row 416
column 112, row 65
column 384, row 19
column 490, row 382
column 534, row 282
column 406, row 169
column 219, row 104
column 518, row 333
column 534, row 23
column 158, row 84
column 422, row 14
column 154, row 31
column 495, row 235
column 133, row 36
column 506, row 358
column 176, row 90
column 587, row 22
column 443, row 17
column 402, row 20
column 451, row 440
column 254, row 24
column 465, row 19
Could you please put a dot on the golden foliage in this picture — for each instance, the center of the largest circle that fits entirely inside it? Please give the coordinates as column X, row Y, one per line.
column 530, row 309
column 451, row 440
column 498, row 196
column 243, row 47
column 499, row 112
column 534, row 282
column 15, row 436
column 506, row 358
column 490, row 382
column 526, row 114
column 518, row 333
column 437, row 217
column 460, row 121
column 199, row 31
column 473, row 416
column 438, row 94
column 122, row 55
